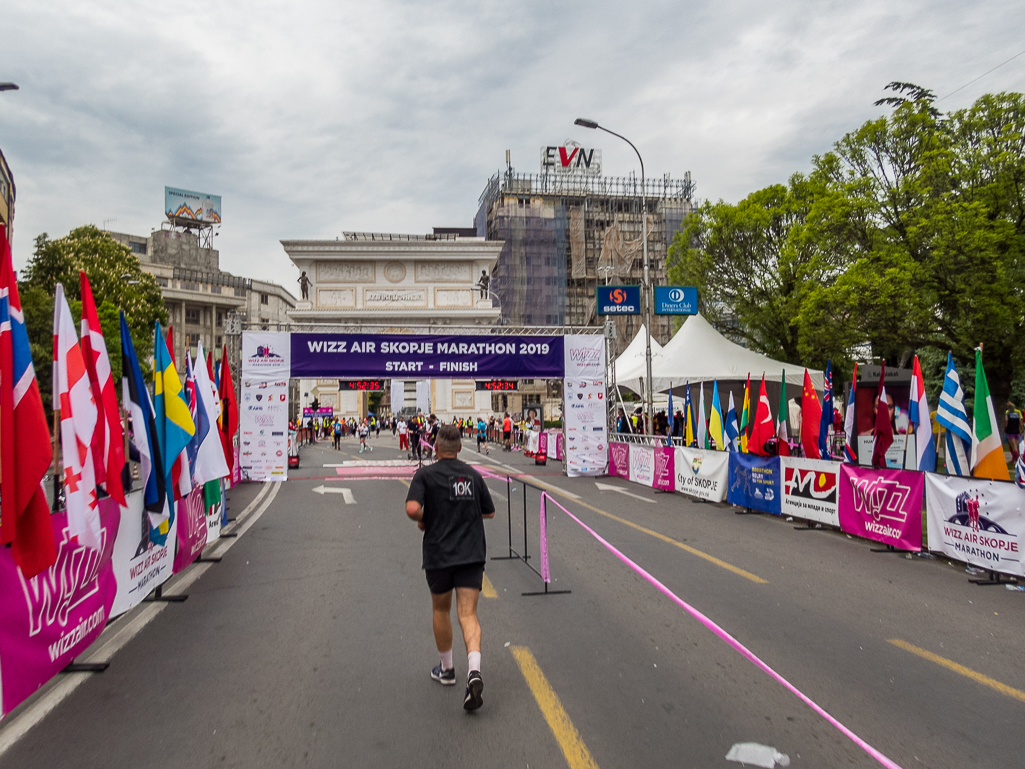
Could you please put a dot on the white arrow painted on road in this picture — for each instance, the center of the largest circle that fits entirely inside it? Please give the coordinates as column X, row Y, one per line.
column 346, row 493
column 607, row 487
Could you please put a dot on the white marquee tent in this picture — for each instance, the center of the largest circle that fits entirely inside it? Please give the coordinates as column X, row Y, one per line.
column 699, row 353
column 630, row 367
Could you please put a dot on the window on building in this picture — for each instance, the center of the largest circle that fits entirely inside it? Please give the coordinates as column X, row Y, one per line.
column 188, row 285
column 219, row 342
column 264, row 299
column 162, row 282
column 240, row 292
column 192, row 315
column 220, row 319
column 215, row 289
column 138, row 248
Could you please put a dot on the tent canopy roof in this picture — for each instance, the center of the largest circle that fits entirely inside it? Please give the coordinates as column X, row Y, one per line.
column 630, row 365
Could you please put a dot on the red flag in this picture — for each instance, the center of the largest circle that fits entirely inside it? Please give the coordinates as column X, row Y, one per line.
column 763, row 429
column 170, row 344
column 884, row 429
column 811, row 417
column 24, row 513
column 229, row 411
column 108, row 439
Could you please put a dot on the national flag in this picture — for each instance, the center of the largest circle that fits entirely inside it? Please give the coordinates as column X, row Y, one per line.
column 762, row 430
column 919, row 421
column 716, row 423
column 782, row 436
column 952, row 415
column 173, row 421
column 702, row 422
column 745, row 415
column 671, row 421
column 826, row 420
column 181, row 475
column 209, row 464
column 882, row 436
column 811, row 419
column 690, row 431
column 25, row 448
column 1019, row 466
column 731, row 429
column 229, row 411
column 987, row 447
column 850, row 448
column 108, row 443
column 137, row 402
column 78, row 421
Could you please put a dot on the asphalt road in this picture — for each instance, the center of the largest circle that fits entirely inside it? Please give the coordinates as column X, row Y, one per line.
column 310, row 645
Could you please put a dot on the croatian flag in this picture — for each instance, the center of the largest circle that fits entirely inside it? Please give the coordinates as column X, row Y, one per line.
column 850, row 449
column 919, row 417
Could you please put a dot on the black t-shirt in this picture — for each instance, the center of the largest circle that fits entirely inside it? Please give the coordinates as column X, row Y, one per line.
column 454, row 497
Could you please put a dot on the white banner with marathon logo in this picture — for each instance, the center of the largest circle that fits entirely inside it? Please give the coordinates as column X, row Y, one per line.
column 809, row 489
column 263, row 406
column 586, row 410
column 701, row 473
column 976, row 521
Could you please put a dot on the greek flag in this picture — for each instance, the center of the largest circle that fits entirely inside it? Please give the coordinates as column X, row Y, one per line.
column 952, row 415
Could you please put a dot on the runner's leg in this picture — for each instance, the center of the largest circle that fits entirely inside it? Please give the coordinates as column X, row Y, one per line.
column 466, row 608
column 442, row 604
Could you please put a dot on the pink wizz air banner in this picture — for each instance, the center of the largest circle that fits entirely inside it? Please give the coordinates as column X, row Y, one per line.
column 46, row 621
column 882, row 505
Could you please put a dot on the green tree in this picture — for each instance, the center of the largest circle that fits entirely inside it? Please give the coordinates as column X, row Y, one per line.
column 118, row 283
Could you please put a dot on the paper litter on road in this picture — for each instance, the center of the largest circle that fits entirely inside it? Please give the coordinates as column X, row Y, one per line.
column 756, row 754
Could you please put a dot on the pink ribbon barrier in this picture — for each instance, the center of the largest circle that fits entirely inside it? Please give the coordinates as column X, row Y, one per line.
column 546, row 574
column 733, row 642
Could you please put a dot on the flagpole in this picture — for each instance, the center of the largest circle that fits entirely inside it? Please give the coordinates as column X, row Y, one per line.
column 56, row 475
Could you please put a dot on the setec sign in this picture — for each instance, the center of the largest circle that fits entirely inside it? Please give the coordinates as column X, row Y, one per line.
column 618, row 300
column 676, row 300
column 571, row 159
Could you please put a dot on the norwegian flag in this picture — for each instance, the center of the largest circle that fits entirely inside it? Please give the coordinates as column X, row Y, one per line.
column 78, row 423
column 25, row 459
column 108, row 444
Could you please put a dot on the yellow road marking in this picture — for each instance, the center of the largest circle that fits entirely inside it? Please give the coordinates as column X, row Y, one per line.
column 669, row 540
column 992, row 683
column 573, row 748
column 403, row 481
column 487, row 589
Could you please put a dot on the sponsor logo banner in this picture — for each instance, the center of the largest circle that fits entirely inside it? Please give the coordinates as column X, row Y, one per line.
column 882, row 505
column 263, row 407
column 642, row 465
column 976, row 521
column 388, row 356
column 618, row 300
column 754, row 482
column 810, row 489
column 702, row 474
column 47, row 621
column 585, row 412
column 665, row 479
column 192, row 528
column 619, row 460
column 139, row 565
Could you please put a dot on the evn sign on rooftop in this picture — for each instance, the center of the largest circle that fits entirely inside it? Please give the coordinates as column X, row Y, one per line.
column 571, row 158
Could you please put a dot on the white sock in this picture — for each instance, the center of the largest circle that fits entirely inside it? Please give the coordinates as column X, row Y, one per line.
column 446, row 660
column 473, row 661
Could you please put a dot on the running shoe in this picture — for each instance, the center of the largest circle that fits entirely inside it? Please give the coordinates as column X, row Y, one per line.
column 474, row 691
column 444, row 677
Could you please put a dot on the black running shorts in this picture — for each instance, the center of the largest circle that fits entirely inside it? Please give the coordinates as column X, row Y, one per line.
column 442, row 581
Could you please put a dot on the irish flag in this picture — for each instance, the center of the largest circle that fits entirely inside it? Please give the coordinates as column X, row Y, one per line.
column 987, row 447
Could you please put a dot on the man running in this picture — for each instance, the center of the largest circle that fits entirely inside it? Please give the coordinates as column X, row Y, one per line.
column 507, row 432
column 403, row 436
column 337, row 429
column 449, row 500
column 364, row 433
column 482, row 436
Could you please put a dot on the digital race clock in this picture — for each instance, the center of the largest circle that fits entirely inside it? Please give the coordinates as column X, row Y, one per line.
column 361, row 384
column 496, row 385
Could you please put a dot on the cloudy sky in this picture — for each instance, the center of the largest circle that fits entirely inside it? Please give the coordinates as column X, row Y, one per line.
column 311, row 117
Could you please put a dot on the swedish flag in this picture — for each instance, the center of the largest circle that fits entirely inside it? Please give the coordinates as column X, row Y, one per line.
column 173, row 421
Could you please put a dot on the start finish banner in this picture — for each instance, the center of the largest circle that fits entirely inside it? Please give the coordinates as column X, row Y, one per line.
column 882, row 505
column 810, row 489
column 977, row 521
column 414, row 356
column 701, row 473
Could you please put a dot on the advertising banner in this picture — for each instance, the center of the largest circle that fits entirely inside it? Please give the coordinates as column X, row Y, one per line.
column 46, row 621
column 665, row 479
column 195, row 206
column 585, row 409
column 343, row 356
column 190, row 518
column 810, row 489
column 619, row 460
column 139, row 565
column 676, row 300
column 642, row 465
column 214, row 520
column 754, row 482
column 701, row 473
column 618, row 300
column 882, row 505
column 263, row 406
column 977, row 521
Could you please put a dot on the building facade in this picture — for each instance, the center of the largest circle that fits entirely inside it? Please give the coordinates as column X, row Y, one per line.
column 397, row 283
column 199, row 295
column 7, row 195
column 565, row 235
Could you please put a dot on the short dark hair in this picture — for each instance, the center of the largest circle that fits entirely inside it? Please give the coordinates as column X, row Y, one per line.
column 448, row 439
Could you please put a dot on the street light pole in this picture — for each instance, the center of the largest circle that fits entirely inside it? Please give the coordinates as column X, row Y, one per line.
column 646, row 299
